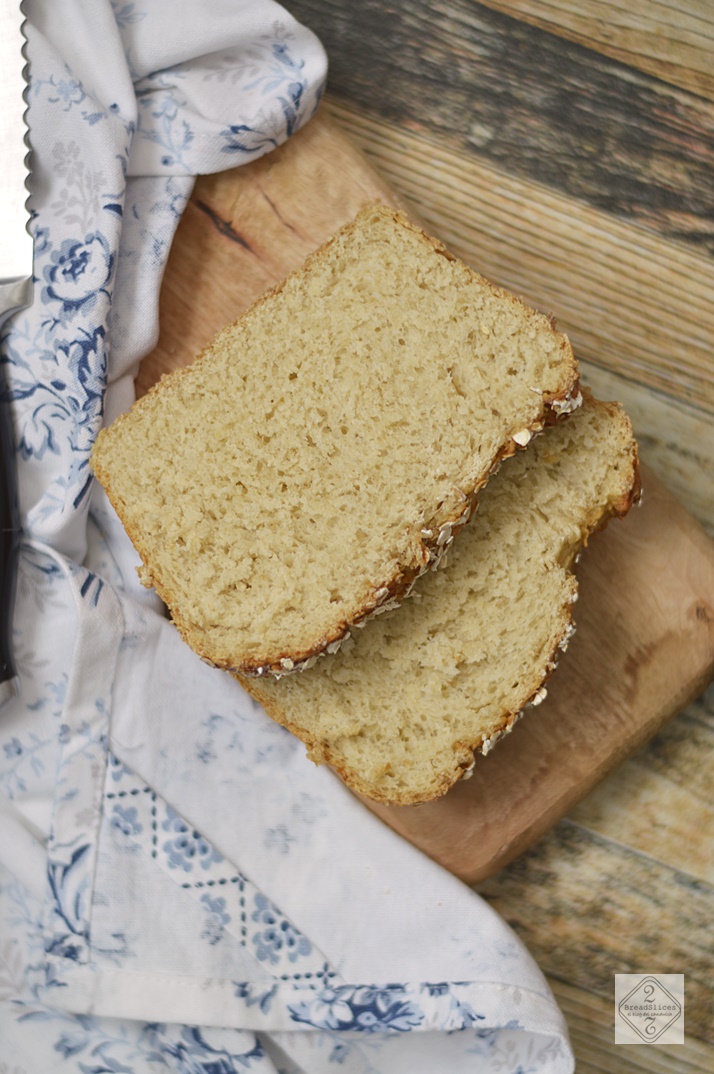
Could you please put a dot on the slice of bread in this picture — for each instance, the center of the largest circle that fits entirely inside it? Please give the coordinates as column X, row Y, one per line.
column 322, row 451
column 401, row 711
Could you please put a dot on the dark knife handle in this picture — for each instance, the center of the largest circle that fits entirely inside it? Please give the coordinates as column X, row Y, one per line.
column 9, row 540
column 15, row 294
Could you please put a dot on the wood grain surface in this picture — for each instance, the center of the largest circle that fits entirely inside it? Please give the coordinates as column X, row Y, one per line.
column 674, row 42
column 585, row 933
column 580, row 144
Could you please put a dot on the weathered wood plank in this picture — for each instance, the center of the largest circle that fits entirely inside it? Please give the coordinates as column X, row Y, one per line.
column 683, row 749
column 644, row 809
column 591, row 1020
column 588, row 908
column 532, row 103
column 632, row 302
column 674, row 42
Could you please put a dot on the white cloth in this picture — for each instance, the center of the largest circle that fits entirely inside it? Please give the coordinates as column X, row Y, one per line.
column 180, row 890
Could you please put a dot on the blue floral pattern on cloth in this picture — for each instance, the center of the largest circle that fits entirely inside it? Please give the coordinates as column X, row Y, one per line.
column 276, row 938
column 186, row 849
column 124, row 820
column 364, row 1010
column 217, row 918
column 77, row 277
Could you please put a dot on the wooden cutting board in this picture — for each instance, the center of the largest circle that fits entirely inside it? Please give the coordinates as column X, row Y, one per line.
column 644, row 646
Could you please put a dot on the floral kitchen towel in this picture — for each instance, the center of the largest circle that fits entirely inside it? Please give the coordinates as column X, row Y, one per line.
column 180, row 890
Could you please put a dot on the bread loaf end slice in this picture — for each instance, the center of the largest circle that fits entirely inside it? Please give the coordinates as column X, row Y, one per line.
column 402, row 711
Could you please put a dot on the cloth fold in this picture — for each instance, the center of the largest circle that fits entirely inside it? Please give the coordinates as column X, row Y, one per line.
column 179, row 888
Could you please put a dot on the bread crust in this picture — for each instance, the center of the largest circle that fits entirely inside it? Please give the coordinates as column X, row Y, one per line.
column 427, row 547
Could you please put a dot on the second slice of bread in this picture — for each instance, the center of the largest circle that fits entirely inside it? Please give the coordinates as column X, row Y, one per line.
column 324, row 449
column 401, row 711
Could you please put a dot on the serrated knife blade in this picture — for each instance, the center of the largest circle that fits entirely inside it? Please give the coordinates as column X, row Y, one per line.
column 16, row 256
column 15, row 240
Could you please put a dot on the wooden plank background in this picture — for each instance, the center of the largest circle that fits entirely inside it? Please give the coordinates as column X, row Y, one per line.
column 537, row 105
column 673, row 42
column 565, row 149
